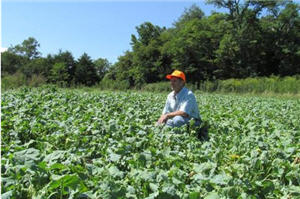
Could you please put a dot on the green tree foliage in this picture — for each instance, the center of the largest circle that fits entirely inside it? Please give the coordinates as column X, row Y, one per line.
column 146, row 33
column 85, row 71
column 101, row 66
column 146, row 58
column 25, row 58
column 28, row 48
column 288, row 26
column 60, row 68
column 193, row 45
column 123, row 69
column 251, row 47
column 35, row 67
column 194, row 12
column 68, row 60
column 59, row 73
column 254, row 38
column 11, row 62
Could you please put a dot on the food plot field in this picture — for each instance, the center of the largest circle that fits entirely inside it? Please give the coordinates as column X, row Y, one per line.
column 63, row 143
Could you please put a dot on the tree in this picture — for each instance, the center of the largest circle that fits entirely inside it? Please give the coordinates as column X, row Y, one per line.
column 193, row 46
column 255, row 38
column 122, row 69
column 227, row 59
column 59, row 73
column 85, row 72
column 146, row 53
column 68, row 59
column 194, row 12
column 28, row 48
column 289, row 43
column 241, row 51
column 11, row 62
column 146, row 33
column 101, row 66
column 36, row 66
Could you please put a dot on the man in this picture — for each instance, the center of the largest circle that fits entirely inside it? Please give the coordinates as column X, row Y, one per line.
column 181, row 105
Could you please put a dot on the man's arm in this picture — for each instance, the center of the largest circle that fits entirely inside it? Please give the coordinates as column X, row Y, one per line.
column 163, row 118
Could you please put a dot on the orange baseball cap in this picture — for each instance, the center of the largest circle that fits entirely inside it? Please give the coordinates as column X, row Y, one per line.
column 178, row 74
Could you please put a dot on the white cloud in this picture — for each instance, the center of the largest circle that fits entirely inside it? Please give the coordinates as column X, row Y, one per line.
column 3, row 49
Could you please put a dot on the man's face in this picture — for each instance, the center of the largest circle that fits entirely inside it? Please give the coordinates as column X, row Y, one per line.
column 176, row 84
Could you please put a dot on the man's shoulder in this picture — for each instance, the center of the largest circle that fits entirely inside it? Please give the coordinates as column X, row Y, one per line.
column 171, row 94
column 188, row 91
column 190, row 94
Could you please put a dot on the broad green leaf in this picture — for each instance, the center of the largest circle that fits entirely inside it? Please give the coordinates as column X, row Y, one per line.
column 212, row 195
column 7, row 195
column 194, row 195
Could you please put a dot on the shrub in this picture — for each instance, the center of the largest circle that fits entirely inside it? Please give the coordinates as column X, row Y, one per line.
column 289, row 85
column 157, row 87
column 12, row 81
column 109, row 84
column 272, row 84
column 36, row 80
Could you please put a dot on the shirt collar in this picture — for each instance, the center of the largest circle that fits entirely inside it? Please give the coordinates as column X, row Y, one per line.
column 180, row 94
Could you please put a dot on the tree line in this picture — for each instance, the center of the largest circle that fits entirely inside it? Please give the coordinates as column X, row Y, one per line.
column 253, row 38
column 60, row 68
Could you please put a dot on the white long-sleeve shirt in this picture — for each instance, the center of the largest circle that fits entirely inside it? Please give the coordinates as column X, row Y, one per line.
column 184, row 101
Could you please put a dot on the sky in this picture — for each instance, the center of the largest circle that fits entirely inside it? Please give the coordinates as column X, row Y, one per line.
column 100, row 28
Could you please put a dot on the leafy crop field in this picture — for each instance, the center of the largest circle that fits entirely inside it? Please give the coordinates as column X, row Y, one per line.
column 59, row 143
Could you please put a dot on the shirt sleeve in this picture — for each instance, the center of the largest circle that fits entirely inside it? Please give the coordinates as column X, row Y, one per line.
column 166, row 108
column 188, row 105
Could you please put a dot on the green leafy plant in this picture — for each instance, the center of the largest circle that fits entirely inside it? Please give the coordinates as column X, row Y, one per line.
column 62, row 143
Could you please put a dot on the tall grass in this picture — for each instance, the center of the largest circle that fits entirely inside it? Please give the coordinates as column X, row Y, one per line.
column 273, row 84
column 257, row 85
column 108, row 84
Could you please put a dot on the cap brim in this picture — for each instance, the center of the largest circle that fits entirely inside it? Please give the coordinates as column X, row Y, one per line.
column 169, row 76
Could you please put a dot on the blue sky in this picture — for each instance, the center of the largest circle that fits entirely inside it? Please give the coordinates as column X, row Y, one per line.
column 102, row 29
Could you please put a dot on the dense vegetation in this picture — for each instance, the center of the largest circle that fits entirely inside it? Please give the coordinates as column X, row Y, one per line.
column 263, row 85
column 252, row 39
column 75, row 144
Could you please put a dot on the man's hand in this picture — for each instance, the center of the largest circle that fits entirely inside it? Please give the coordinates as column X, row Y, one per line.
column 163, row 119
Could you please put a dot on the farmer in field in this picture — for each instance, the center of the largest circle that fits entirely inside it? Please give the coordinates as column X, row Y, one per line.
column 181, row 105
